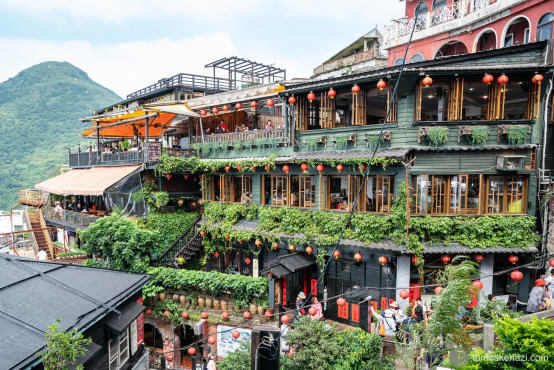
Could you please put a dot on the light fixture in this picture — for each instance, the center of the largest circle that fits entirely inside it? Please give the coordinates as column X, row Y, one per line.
column 388, row 269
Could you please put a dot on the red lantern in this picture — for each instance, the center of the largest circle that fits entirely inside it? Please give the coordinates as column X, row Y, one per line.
column 427, row 81
column 185, row 315
column 192, row 351
column 215, row 110
column 502, row 80
column 148, row 311
column 331, row 93
column 304, row 167
column 204, row 315
column 227, row 168
column 438, row 290
column 202, row 233
column 311, row 96
column 340, row 167
column 254, row 104
column 227, row 237
column 363, row 167
column 254, row 169
column 169, row 357
column 238, row 105
column 286, row 168
column 320, row 167
column 267, row 314
column 312, row 311
column 186, row 176
column 513, row 259
column 216, row 254
column 445, row 259
column 552, row 263
column 270, row 103
column 356, row 89
column 225, row 315
column 168, row 176
column 341, row 302
column 247, row 260
column 381, row 85
column 292, row 247
column 203, row 112
column 225, row 107
column 478, row 257
column 258, row 242
column 275, row 245
column 336, row 254
column 268, row 168
column 516, row 275
column 212, row 340
column 358, row 257
column 383, row 260
column 309, row 249
column 404, row 294
column 246, row 315
column 488, row 79
column 478, row 284
column 415, row 259
column 292, row 100
column 537, row 79
column 166, row 313
column 285, row 319
column 239, row 168
column 240, row 241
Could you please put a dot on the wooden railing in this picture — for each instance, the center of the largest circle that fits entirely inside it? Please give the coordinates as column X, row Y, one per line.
column 32, row 197
column 180, row 153
column 253, row 136
column 206, row 83
column 96, row 158
column 28, row 226
column 74, row 218
column 177, row 246
column 77, row 260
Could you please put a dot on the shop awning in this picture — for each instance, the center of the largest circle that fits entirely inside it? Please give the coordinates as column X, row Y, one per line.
column 129, row 312
column 288, row 264
column 93, row 181
column 180, row 109
column 124, row 127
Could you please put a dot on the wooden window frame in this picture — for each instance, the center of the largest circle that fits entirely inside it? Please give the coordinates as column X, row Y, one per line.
column 327, row 111
column 302, row 186
column 207, row 188
column 533, row 101
column 440, row 202
column 353, row 184
column 274, row 180
column 227, row 188
column 243, row 181
column 506, row 193
column 359, row 108
column 302, row 113
column 393, row 116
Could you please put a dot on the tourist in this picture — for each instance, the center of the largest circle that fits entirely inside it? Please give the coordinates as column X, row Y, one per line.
column 419, row 314
column 58, row 210
column 318, row 309
column 512, row 302
column 536, row 297
column 243, row 127
column 204, row 363
column 419, row 303
column 386, row 320
column 222, row 128
column 397, row 314
column 269, row 125
column 299, row 303
column 78, row 208
column 211, row 362
column 491, row 298
column 41, row 255
column 550, row 283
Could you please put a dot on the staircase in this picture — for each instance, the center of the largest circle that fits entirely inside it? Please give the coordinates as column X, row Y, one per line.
column 186, row 247
column 41, row 235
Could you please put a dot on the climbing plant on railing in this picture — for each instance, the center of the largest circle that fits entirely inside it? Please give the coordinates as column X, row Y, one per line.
column 373, row 141
column 437, row 136
column 311, row 143
column 517, row 135
column 479, row 135
column 341, row 141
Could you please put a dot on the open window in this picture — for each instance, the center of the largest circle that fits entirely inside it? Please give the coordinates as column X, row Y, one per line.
column 430, row 195
column 506, row 194
column 208, row 189
column 432, row 102
column 464, row 194
column 227, row 189
column 302, row 191
column 377, row 193
column 378, row 102
column 242, row 189
column 276, row 190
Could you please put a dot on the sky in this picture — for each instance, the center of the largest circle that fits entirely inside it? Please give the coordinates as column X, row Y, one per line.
column 128, row 44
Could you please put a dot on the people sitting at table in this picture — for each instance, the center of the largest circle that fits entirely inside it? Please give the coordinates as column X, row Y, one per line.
column 221, row 128
column 245, row 198
column 243, row 127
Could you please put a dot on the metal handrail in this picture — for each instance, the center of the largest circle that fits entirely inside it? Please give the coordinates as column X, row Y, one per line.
column 175, row 247
column 216, row 84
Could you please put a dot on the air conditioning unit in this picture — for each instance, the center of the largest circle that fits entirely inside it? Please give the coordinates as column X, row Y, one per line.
column 510, row 162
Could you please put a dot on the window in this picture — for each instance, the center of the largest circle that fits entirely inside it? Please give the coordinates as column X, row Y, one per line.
column 242, row 189
column 339, row 192
column 302, row 191
column 464, row 194
column 430, row 195
column 423, row 8
column 207, row 188
column 544, row 28
column 506, row 194
column 276, row 190
column 526, row 36
column 509, row 40
column 438, row 4
column 226, row 188
column 118, row 350
column 398, row 62
column 416, row 58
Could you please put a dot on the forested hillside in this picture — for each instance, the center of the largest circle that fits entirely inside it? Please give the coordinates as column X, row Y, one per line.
column 39, row 112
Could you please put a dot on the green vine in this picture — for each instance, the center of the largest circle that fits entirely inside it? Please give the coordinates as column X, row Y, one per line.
column 311, row 143
column 373, row 141
column 517, row 135
column 355, row 163
column 479, row 135
column 437, row 136
column 238, row 145
column 341, row 141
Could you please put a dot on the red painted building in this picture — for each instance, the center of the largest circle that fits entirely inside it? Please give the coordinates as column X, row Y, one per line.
column 451, row 27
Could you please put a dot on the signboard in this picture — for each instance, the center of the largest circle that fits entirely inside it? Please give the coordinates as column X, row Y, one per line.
column 255, row 268
column 313, row 283
column 154, row 151
column 384, row 303
column 414, row 293
column 140, row 326
column 343, row 311
column 277, row 292
column 355, row 313
column 225, row 341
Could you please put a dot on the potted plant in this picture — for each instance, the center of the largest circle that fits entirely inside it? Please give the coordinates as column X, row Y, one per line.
column 183, row 300
column 253, row 308
column 161, row 296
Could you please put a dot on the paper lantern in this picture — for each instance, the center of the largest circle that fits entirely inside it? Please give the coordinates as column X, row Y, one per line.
column 292, row 100
column 258, row 242
column 537, row 79
column 267, row 314
column 513, row 259
column 341, row 302
column 340, row 167
column 415, row 259
column 236, row 334
column 227, row 237
column 254, row 104
column 311, row 96
column 331, row 93
column 204, row 315
column 275, row 245
column 381, row 85
column 320, row 167
column 216, row 254
column 312, row 311
column 246, row 315
column 304, row 167
column 212, row 340
column 404, row 294
column 552, row 263
column 169, row 357
column 215, row 110
column 227, row 168
column 239, row 168
column 488, row 79
column 445, row 259
column 336, row 254
column 438, row 290
column 148, row 311
column 191, row 351
column 356, row 89
column 285, row 319
column 225, row 315
column 478, row 257
column 225, row 107
column 292, row 247
column 203, row 112
column 185, row 315
column 358, row 257
column 363, row 167
column 270, row 103
column 502, row 80
column 427, row 81
column 202, row 233
column 383, row 260
column 286, row 169
column 238, row 105
column 516, row 275
column 166, row 313
column 478, row 284
column 309, row 249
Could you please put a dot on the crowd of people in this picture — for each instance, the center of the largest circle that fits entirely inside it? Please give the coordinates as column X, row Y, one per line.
column 222, row 128
column 61, row 207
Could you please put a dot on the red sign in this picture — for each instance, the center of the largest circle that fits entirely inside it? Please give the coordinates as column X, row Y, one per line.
column 374, row 304
column 355, row 312
column 343, row 311
column 390, row 301
column 383, row 303
column 284, row 291
column 312, row 284
column 414, row 293
column 140, row 326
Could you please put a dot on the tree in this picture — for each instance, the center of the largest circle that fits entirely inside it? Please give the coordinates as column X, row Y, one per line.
column 62, row 348
column 239, row 359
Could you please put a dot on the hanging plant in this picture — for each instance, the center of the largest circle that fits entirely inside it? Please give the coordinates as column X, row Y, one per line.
column 479, row 135
column 311, row 142
column 341, row 141
column 437, row 136
column 373, row 141
column 273, row 142
column 261, row 142
column 238, row 145
column 517, row 135
column 248, row 144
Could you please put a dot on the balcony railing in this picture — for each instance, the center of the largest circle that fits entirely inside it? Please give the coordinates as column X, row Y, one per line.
column 32, row 197
column 74, row 218
column 251, row 137
column 204, row 83
column 402, row 27
column 96, row 158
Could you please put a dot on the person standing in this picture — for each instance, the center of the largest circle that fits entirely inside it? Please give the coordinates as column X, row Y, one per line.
column 550, row 283
column 299, row 303
column 269, row 125
column 386, row 320
column 538, row 293
column 318, row 309
column 211, row 362
column 41, row 255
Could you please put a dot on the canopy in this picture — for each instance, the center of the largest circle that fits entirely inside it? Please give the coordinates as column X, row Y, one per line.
column 288, row 264
column 129, row 127
column 93, row 181
column 180, row 109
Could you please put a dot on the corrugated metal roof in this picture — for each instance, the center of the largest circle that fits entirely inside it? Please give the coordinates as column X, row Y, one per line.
column 397, row 153
column 456, row 248
column 479, row 148
column 278, row 159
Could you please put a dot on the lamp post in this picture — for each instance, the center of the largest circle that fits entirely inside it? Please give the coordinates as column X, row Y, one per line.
column 388, row 270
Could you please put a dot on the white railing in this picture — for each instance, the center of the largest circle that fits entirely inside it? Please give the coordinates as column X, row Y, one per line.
column 402, row 27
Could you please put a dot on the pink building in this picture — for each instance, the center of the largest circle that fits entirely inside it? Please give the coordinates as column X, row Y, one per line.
column 451, row 27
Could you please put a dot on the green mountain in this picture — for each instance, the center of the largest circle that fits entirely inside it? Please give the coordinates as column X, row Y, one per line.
column 39, row 112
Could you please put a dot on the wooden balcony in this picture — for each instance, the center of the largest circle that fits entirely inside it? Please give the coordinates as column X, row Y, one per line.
column 255, row 137
column 75, row 219
column 96, row 158
column 32, row 197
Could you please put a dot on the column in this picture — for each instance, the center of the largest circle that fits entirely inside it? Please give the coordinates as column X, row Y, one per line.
column 486, row 268
column 402, row 279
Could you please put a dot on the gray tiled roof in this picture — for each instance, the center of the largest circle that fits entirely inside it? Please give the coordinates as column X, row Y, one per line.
column 396, row 153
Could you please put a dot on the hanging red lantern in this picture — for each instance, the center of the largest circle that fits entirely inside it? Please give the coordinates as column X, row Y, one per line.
column 304, row 167
column 267, row 314
column 246, row 315
column 513, row 259
column 148, row 311
column 381, row 85
column 309, row 249
column 358, row 257
column 292, row 100
column 341, row 302
column 537, row 79
column 238, row 106
column 285, row 319
column 292, row 247
column 356, row 89
column 438, row 290
column 286, row 169
column 516, row 275
column 340, row 167
column 552, row 263
column 254, row 104
column 502, row 80
column 185, row 315
column 275, row 245
column 227, row 237
column 270, row 103
column 239, row 168
column 311, row 96
column 320, row 167
column 169, row 357
column 415, row 259
column 240, row 241
column 215, row 110
column 191, row 351
column 227, row 168
column 225, row 107
column 186, row 176
column 247, row 260
column 203, row 112
column 204, row 315
column 331, row 93
column 166, row 313
column 168, row 176
column 212, row 340
column 478, row 257
column 202, row 233
column 488, row 79
column 478, row 284
column 336, row 254
column 225, row 315
column 427, row 81
column 258, row 242
column 312, row 311
column 253, row 168
column 268, row 168
column 200, row 176
column 383, row 260
column 216, row 254
column 363, row 167
column 404, row 294
column 445, row 258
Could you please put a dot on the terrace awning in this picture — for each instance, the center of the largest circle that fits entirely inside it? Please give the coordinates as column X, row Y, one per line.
column 288, row 264
column 129, row 127
column 93, row 181
column 180, row 109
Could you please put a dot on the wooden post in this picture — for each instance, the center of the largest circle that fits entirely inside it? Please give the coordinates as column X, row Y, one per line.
column 145, row 147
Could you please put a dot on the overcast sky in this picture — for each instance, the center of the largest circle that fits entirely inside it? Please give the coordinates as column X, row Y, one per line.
column 128, row 44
